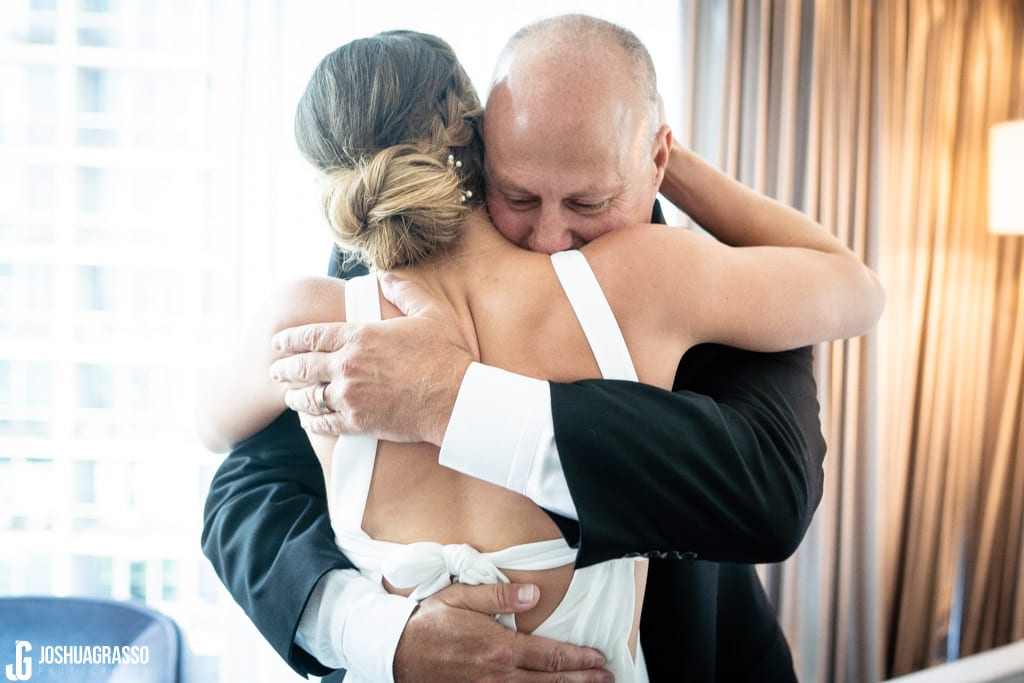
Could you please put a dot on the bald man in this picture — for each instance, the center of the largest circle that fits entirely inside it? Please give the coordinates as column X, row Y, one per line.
column 720, row 473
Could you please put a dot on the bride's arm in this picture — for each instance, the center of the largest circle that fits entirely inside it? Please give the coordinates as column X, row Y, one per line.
column 735, row 214
column 238, row 397
column 772, row 280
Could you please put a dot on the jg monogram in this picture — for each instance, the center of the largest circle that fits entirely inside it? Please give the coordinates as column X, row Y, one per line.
column 21, row 670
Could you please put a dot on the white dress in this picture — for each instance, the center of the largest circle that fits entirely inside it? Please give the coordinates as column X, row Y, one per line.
column 598, row 607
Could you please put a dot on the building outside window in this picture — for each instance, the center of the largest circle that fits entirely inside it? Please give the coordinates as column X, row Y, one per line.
column 106, row 151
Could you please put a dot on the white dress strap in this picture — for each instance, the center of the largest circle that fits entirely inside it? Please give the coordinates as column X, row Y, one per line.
column 362, row 303
column 594, row 315
column 354, row 454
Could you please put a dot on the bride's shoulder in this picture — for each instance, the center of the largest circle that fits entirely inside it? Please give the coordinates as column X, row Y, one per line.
column 307, row 300
column 632, row 251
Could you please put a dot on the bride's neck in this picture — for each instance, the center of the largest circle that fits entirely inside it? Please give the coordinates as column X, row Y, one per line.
column 479, row 237
column 449, row 277
column 478, row 246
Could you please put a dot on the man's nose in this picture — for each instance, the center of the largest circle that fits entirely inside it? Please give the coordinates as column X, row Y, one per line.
column 551, row 234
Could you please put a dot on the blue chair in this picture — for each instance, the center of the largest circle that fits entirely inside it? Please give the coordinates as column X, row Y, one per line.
column 85, row 639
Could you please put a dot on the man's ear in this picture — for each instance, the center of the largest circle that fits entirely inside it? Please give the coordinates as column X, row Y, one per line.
column 660, row 152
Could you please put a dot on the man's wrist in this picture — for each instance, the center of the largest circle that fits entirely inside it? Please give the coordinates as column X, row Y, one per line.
column 352, row 623
column 492, row 411
column 508, row 417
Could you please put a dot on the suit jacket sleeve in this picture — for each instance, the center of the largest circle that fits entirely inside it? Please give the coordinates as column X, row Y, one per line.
column 268, row 535
column 731, row 474
column 266, row 527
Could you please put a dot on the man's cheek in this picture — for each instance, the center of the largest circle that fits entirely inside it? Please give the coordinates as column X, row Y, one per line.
column 510, row 223
column 601, row 225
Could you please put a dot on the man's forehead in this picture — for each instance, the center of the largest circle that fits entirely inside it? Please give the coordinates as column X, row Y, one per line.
column 566, row 185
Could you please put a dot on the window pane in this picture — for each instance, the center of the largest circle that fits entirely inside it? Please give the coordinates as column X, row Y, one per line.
column 25, row 428
column 84, row 481
column 96, row 137
column 26, row 233
column 30, row 103
column 97, row 37
column 92, row 576
column 95, row 5
column 39, row 574
column 27, row 298
column 40, row 31
column 38, row 384
column 96, row 288
column 171, row 580
column 95, row 191
column 28, row 478
column 93, row 90
column 95, row 386
column 41, row 188
column 6, row 393
column 6, row 495
column 137, row 577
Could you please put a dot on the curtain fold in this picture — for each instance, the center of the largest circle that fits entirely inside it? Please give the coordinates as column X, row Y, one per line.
column 951, row 385
column 873, row 119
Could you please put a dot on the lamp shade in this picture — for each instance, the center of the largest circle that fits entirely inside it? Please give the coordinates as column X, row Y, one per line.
column 1006, row 178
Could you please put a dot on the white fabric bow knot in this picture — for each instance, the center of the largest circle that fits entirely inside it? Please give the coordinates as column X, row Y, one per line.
column 431, row 566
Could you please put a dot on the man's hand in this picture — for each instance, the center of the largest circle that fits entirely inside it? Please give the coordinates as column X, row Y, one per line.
column 396, row 380
column 451, row 638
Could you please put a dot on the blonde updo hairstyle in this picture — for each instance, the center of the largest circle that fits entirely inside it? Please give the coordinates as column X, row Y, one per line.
column 380, row 118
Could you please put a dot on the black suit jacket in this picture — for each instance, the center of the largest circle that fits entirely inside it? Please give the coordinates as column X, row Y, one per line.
column 705, row 484
column 723, row 472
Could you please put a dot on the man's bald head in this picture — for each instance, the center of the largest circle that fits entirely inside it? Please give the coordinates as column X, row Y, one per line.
column 577, row 51
column 575, row 138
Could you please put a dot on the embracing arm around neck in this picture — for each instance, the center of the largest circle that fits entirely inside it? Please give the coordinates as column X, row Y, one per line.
column 772, row 280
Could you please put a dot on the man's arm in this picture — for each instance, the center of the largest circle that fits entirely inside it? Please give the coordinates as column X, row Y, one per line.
column 267, row 533
column 732, row 473
column 728, row 467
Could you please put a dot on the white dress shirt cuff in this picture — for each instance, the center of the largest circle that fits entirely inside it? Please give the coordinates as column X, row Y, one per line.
column 352, row 623
column 501, row 431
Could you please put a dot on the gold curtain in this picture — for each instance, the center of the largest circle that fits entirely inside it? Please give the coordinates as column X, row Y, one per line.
column 953, row 335
column 872, row 117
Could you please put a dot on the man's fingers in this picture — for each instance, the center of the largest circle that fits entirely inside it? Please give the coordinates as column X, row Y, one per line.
column 591, row 676
column 408, row 297
column 491, row 598
column 324, row 337
column 305, row 400
column 534, row 653
column 331, row 424
column 304, row 368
